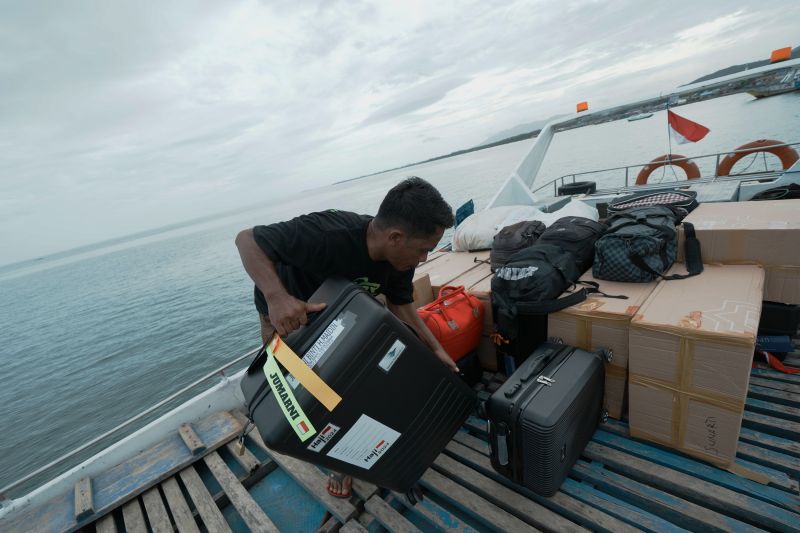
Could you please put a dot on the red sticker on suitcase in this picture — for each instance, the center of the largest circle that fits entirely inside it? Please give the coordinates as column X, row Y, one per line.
column 324, row 437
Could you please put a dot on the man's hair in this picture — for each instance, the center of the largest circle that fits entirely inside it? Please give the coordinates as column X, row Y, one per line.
column 416, row 207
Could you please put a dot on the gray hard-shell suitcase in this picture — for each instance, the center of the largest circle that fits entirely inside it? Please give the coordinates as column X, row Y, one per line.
column 542, row 417
column 400, row 405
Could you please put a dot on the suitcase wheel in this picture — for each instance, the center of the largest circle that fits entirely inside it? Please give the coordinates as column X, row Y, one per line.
column 604, row 416
column 414, row 495
column 555, row 340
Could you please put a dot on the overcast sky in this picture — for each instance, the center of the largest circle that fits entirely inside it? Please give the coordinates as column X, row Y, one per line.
column 117, row 117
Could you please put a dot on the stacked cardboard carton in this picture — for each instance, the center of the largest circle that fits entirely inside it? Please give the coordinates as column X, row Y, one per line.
column 765, row 233
column 602, row 322
column 691, row 349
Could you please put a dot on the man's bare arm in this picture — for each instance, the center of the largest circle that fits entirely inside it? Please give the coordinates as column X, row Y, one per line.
column 286, row 312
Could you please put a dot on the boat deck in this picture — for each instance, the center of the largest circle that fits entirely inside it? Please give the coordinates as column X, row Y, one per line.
column 619, row 484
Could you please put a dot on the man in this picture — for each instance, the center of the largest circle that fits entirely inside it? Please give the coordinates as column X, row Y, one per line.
column 288, row 261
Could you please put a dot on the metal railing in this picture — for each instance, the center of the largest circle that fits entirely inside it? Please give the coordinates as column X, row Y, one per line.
column 219, row 371
column 562, row 180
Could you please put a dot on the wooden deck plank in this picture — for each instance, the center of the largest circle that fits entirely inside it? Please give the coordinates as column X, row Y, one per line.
column 564, row 505
column 441, row 518
column 777, row 478
column 468, row 501
column 246, row 459
column 477, row 425
column 474, row 443
column 192, row 441
column 772, row 459
column 777, row 385
column 133, row 517
column 106, row 524
column 527, row 510
column 698, row 469
column 156, row 512
column 184, row 520
column 330, row 526
column 388, row 516
column 252, row 514
column 352, row 526
column 775, row 375
column 364, row 490
column 84, row 501
column 689, row 487
column 209, row 512
column 772, row 442
column 312, row 479
column 773, row 409
column 670, row 507
column 630, row 514
column 773, row 425
column 151, row 466
column 772, row 395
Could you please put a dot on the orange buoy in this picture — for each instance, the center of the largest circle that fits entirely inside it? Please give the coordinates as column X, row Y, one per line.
column 781, row 54
column 688, row 166
column 786, row 154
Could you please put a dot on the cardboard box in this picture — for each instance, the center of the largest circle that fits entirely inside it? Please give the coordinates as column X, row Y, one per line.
column 765, row 233
column 601, row 322
column 690, row 352
column 444, row 269
column 423, row 292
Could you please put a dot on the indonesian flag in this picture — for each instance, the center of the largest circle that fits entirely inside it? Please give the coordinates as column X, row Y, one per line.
column 682, row 130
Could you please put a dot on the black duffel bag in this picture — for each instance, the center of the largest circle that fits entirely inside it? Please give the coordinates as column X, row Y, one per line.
column 512, row 239
column 577, row 236
column 641, row 244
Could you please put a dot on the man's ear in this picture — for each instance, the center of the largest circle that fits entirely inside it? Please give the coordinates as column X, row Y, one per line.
column 395, row 236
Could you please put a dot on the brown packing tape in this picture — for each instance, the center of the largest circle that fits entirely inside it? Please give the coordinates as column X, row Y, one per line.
column 730, row 338
column 685, row 360
column 583, row 333
column 739, row 470
column 718, row 400
column 616, row 371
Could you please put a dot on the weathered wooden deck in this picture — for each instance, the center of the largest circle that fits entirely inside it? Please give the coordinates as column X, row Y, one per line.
column 619, row 484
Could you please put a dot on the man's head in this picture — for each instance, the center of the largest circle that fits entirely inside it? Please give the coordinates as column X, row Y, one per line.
column 410, row 222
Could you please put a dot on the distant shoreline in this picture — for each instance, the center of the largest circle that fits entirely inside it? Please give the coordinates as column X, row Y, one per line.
column 615, row 113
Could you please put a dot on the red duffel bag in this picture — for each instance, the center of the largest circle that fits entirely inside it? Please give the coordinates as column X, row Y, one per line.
column 456, row 320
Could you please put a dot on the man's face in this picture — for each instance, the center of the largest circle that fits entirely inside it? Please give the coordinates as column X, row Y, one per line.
column 405, row 253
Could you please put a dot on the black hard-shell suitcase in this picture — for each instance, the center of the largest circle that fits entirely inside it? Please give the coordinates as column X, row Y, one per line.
column 543, row 416
column 400, row 405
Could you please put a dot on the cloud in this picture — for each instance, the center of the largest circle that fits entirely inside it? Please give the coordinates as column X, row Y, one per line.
column 120, row 116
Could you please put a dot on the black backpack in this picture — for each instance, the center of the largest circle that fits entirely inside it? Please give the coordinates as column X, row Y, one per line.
column 577, row 236
column 642, row 243
column 513, row 238
column 531, row 283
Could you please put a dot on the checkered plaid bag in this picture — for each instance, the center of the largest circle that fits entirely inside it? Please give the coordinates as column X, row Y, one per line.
column 681, row 202
column 641, row 244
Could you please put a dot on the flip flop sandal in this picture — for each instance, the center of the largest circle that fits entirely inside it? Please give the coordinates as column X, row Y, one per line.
column 340, row 478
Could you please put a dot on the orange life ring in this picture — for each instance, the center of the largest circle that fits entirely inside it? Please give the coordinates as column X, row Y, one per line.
column 786, row 154
column 688, row 166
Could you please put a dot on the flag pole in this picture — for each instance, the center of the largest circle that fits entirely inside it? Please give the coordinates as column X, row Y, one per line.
column 669, row 137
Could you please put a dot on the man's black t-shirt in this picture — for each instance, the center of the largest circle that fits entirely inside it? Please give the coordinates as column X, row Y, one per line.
column 311, row 248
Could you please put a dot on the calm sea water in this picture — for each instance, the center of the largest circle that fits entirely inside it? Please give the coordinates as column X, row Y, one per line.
column 90, row 339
